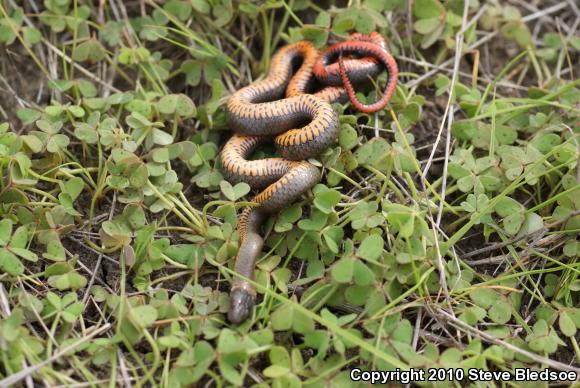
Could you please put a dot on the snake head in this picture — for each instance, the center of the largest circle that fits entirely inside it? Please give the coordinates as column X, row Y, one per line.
column 241, row 304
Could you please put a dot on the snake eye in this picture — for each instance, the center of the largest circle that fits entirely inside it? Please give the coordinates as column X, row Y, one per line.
column 241, row 305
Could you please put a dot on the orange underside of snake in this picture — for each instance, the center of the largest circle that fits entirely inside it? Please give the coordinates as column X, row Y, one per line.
column 302, row 124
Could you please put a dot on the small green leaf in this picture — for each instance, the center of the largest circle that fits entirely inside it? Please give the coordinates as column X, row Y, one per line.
column 228, row 190
column 139, row 176
column 333, row 238
column 315, row 223
column 371, row 247
column 513, row 222
column 162, row 138
column 70, row 280
column 427, row 26
column 74, row 187
column 10, row 263
column 241, row 189
column 567, row 325
column 532, row 223
column 24, row 253
column 76, row 111
column 506, row 206
column 5, row 231
column 33, row 142
column 343, row 270
column 143, row 316
column 54, row 251
column 484, row 297
column 275, row 371
column 27, row 116
column 326, row 200
column 192, row 70
column 500, row 312
column 281, row 319
column 518, row 31
column 89, row 51
column 363, row 275
column 19, row 238
column 57, row 142
column 7, row 35
column 160, row 155
column 31, row 35
column 424, row 9
column 167, row 104
column 348, row 137
column 135, row 216
column 185, row 106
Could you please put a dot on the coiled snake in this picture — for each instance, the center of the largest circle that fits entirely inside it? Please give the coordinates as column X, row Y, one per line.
column 302, row 125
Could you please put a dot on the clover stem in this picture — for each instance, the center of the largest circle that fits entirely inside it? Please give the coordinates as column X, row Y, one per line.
column 186, row 202
column 40, row 192
column 173, row 262
column 195, row 219
column 174, row 209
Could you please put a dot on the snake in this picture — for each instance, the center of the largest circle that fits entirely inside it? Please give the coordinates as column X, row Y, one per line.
column 283, row 108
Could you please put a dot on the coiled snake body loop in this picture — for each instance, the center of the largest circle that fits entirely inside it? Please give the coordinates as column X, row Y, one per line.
column 302, row 125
